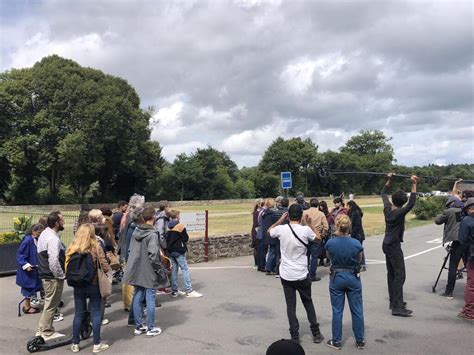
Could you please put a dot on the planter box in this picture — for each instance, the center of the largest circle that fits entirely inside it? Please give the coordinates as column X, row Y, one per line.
column 8, row 258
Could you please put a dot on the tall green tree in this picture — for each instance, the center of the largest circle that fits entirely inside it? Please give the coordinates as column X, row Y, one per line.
column 294, row 155
column 59, row 112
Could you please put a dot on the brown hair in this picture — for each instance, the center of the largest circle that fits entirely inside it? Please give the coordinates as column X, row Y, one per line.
column 174, row 214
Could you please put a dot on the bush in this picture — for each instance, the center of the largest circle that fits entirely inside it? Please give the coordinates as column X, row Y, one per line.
column 9, row 237
column 429, row 207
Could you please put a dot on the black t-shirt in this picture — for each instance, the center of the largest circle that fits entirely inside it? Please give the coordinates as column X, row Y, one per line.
column 395, row 218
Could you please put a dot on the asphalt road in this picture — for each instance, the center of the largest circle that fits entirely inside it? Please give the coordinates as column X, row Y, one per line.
column 243, row 311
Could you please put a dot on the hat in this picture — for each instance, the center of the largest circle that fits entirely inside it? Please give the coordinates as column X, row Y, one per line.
column 295, row 212
column 285, row 347
column 469, row 202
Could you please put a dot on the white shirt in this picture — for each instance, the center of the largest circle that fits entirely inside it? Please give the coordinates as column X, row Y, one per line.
column 294, row 262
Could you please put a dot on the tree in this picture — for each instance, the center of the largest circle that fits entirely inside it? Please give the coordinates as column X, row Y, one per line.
column 56, row 104
column 294, row 155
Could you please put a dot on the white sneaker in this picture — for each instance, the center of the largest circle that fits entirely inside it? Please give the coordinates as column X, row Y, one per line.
column 75, row 348
column 153, row 332
column 58, row 317
column 177, row 293
column 105, row 321
column 140, row 330
column 193, row 294
column 100, row 347
column 55, row 335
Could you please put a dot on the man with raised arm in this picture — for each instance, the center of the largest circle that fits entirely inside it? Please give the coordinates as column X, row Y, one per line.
column 394, row 213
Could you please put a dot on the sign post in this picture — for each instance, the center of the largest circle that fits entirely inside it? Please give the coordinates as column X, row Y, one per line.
column 198, row 222
column 286, row 181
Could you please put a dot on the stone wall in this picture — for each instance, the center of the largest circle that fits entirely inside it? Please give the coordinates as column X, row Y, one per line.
column 228, row 246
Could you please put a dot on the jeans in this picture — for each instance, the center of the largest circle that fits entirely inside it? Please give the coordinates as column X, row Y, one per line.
column 273, row 257
column 316, row 249
column 179, row 260
column 458, row 251
column 148, row 295
column 304, row 289
column 81, row 294
column 342, row 284
column 395, row 273
column 468, row 309
column 261, row 254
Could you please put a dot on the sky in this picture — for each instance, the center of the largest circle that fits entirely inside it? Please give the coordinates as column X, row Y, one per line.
column 237, row 74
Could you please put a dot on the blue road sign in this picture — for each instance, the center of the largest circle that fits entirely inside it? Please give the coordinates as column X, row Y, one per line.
column 286, row 181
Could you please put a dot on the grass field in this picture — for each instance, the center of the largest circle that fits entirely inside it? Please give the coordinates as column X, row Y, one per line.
column 231, row 218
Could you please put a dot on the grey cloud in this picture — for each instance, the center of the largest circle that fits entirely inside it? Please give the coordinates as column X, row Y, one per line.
column 408, row 65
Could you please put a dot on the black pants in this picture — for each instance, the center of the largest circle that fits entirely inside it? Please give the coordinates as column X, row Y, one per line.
column 458, row 251
column 395, row 273
column 304, row 289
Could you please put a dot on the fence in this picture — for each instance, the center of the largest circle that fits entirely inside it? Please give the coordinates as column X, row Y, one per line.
column 8, row 214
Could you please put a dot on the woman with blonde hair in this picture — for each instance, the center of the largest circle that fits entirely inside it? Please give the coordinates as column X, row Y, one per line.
column 85, row 243
column 345, row 254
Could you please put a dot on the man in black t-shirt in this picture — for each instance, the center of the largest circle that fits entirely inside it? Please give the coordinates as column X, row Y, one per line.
column 394, row 213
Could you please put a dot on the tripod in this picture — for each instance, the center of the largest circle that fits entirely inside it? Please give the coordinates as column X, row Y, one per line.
column 448, row 249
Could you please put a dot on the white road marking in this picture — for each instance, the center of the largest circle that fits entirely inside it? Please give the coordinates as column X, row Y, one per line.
column 368, row 261
column 435, row 241
column 422, row 252
column 220, row 267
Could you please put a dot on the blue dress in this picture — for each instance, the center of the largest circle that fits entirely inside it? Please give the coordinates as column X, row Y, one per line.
column 29, row 281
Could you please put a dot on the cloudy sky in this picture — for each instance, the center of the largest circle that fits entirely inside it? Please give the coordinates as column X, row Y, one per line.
column 237, row 74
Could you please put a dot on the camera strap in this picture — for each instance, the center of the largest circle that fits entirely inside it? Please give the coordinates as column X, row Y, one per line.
column 306, row 245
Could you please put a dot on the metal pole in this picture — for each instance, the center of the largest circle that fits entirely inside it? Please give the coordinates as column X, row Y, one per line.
column 206, row 238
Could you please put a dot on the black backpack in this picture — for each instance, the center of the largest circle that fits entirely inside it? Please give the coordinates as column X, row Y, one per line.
column 80, row 270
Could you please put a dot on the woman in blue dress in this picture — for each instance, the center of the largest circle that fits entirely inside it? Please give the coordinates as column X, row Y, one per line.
column 27, row 273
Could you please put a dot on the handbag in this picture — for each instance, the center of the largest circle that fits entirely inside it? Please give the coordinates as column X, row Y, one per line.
column 113, row 261
column 105, row 286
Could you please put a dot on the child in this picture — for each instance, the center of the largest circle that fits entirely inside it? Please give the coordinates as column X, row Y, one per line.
column 176, row 239
column 27, row 274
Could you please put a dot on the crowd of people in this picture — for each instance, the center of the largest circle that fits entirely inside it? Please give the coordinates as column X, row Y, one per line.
column 144, row 249
column 134, row 243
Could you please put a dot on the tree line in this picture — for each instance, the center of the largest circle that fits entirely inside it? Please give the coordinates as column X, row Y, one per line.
column 73, row 134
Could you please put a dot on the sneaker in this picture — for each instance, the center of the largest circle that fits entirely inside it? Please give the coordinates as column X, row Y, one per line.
column 360, row 345
column 363, row 268
column 402, row 312
column 35, row 302
column 404, row 304
column 277, row 276
column 459, row 275
column 100, row 347
column 75, row 348
column 193, row 294
column 107, row 305
column 464, row 316
column 153, row 332
column 126, row 309
column 139, row 330
column 55, row 335
column 58, row 317
column 333, row 345
column 177, row 293
column 163, row 291
column 447, row 295
column 105, row 321
column 318, row 338
column 295, row 339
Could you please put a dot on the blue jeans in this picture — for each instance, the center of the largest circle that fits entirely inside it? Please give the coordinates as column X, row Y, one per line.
column 179, row 260
column 341, row 284
column 81, row 294
column 273, row 257
column 149, row 295
column 316, row 249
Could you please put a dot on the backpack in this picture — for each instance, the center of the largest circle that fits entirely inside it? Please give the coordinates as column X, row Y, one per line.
column 80, row 270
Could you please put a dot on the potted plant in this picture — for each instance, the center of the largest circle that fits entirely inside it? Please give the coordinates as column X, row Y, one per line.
column 9, row 242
